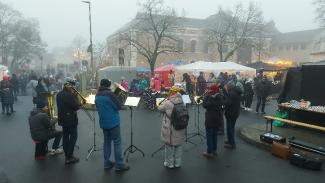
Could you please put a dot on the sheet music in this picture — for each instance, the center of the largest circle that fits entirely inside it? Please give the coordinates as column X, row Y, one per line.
column 186, row 99
column 132, row 101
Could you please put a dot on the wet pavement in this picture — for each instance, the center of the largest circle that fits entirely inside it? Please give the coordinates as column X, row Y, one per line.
column 244, row 164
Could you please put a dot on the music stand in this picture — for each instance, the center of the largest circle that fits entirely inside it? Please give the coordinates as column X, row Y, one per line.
column 132, row 102
column 93, row 148
column 197, row 120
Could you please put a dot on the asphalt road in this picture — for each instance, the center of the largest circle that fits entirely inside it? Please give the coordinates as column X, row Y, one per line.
column 244, row 164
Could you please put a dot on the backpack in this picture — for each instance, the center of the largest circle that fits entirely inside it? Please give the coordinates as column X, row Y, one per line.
column 179, row 116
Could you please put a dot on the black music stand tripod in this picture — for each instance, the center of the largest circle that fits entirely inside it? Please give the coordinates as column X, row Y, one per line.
column 132, row 102
column 197, row 119
column 93, row 148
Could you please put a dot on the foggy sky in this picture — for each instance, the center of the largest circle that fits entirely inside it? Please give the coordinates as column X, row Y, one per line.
column 61, row 20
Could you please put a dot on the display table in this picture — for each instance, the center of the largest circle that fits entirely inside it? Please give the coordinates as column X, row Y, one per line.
column 312, row 115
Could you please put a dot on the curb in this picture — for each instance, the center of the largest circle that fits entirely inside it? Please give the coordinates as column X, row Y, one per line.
column 258, row 144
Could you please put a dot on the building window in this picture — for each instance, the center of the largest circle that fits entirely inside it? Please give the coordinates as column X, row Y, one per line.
column 193, row 46
column 180, row 45
column 206, row 47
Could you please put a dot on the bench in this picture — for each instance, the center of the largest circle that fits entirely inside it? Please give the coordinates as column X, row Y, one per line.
column 269, row 120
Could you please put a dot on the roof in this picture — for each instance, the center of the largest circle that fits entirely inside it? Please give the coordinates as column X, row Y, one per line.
column 322, row 62
column 306, row 36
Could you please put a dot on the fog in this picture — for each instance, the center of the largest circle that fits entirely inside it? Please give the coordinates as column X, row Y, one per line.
column 61, row 20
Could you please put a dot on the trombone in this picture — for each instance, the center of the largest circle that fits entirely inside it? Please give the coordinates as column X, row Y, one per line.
column 199, row 99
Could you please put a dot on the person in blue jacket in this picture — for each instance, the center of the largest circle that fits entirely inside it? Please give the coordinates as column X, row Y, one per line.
column 108, row 107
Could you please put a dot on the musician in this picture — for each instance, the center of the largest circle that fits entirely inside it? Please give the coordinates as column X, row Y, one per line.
column 108, row 107
column 212, row 102
column 41, row 129
column 68, row 105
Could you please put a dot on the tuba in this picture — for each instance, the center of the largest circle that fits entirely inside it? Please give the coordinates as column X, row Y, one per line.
column 119, row 91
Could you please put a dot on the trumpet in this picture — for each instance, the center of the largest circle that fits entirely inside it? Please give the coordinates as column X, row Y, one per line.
column 199, row 99
column 77, row 93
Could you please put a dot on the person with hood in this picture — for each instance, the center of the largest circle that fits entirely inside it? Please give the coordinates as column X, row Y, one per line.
column 108, row 107
column 7, row 96
column 232, row 110
column 172, row 138
column 41, row 91
column 213, row 103
column 262, row 92
column 41, row 129
column 248, row 94
column 201, row 84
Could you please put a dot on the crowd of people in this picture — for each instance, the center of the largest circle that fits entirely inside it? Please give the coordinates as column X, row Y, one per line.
column 221, row 96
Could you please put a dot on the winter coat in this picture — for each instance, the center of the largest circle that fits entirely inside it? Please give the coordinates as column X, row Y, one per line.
column 39, row 125
column 263, row 88
column 6, row 91
column 233, row 102
column 108, row 107
column 248, row 89
column 68, row 105
column 214, row 110
column 169, row 135
column 202, row 84
column 42, row 92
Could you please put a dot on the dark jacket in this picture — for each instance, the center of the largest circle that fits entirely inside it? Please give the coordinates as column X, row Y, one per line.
column 67, row 105
column 6, row 92
column 233, row 102
column 202, row 84
column 248, row 89
column 263, row 88
column 213, row 113
column 39, row 125
column 108, row 107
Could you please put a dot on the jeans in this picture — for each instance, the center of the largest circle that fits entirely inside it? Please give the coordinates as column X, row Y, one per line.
column 211, row 136
column 70, row 136
column 57, row 135
column 113, row 134
column 231, row 130
column 260, row 100
column 173, row 155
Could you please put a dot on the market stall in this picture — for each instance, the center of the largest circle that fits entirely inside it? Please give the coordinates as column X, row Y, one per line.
column 163, row 73
column 214, row 67
column 304, row 83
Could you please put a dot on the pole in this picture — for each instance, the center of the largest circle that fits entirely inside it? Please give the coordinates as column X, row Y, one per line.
column 91, row 42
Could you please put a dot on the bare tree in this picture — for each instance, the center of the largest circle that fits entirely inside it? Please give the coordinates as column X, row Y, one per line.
column 229, row 30
column 154, row 29
column 101, row 52
column 260, row 42
column 320, row 11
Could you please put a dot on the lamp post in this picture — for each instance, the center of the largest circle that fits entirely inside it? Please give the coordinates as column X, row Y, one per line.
column 91, row 42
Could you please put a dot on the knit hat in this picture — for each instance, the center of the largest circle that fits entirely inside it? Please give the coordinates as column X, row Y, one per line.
column 213, row 89
column 105, row 83
column 5, row 77
column 173, row 90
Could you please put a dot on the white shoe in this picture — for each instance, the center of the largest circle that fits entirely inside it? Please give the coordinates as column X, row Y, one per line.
column 56, row 151
column 249, row 109
column 166, row 164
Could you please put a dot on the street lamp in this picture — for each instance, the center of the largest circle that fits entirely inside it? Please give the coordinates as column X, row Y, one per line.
column 91, row 42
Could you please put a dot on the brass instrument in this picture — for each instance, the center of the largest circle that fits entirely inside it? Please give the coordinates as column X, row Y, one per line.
column 78, row 94
column 199, row 99
column 50, row 105
column 119, row 91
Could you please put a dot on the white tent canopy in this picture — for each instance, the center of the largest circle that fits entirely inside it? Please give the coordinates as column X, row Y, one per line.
column 214, row 67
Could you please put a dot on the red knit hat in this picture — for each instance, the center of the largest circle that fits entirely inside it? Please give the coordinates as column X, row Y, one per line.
column 213, row 89
column 5, row 77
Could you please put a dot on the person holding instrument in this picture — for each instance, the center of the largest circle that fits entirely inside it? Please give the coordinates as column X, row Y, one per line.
column 68, row 104
column 108, row 107
column 212, row 102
